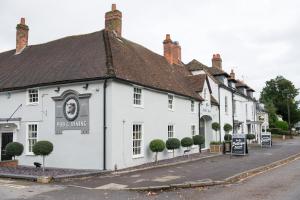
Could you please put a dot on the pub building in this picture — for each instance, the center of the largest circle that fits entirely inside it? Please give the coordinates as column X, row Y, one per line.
column 100, row 98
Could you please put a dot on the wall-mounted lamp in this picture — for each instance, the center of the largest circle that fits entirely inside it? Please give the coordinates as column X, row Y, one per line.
column 57, row 89
column 86, row 86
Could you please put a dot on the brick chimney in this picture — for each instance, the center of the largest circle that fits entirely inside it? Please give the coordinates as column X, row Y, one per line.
column 172, row 50
column 217, row 61
column 22, row 36
column 113, row 20
column 232, row 74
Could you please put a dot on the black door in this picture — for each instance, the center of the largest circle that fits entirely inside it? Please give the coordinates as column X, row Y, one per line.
column 5, row 139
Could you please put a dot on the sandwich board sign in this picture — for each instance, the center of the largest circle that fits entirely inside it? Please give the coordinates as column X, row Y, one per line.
column 238, row 144
column 266, row 139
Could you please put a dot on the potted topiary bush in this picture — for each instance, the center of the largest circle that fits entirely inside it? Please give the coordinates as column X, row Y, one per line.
column 215, row 147
column 12, row 149
column 156, row 146
column 227, row 128
column 216, row 127
column 172, row 144
column 227, row 142
column 42, row 148
column 198, row 140
column 187, row 142
column 250, row 137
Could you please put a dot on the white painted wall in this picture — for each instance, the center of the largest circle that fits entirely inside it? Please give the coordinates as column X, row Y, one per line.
column 71, row 149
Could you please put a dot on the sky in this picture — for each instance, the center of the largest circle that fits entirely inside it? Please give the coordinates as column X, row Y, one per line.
column 259, row 39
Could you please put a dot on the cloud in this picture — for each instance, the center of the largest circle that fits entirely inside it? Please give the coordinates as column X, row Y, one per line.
column 258, row 38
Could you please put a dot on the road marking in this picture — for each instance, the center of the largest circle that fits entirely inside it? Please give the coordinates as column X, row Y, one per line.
column 166, row 178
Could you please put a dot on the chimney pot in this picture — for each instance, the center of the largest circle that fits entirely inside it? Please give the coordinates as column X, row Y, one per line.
column 172, row 50
column 22, row 21
column 113, row 7
column 217, row 61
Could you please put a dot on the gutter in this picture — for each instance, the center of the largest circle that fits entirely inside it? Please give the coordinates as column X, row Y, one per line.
column 219, row 113
column 104, row 124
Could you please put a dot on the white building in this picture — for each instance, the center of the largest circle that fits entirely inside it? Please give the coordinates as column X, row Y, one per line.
column 100, row 99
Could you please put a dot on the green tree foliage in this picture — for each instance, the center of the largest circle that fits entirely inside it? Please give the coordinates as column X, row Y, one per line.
column 42, row 148
column 199, row 140
column 187, row 142
column 216, row 127
column 280, row 92
column 14, row 149
column 227, row 137
column 227, row 128
column 283, row 125
column 172, row 144
column 157, row 146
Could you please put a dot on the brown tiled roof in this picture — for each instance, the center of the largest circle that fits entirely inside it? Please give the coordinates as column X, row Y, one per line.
column 92, row 56
column 197, row 82
column 195, row 65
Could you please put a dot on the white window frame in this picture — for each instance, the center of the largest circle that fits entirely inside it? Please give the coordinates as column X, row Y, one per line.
column 28, row 96
column 141, row 139
column 171, row 106
column 205, row 93
column 226, row 104
column 193, row 110
column 173, row 131
column 27, row 136
column 141, row 97
column 193, row 130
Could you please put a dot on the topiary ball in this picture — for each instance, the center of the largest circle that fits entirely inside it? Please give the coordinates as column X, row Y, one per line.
column 14, row 149
column 198, row 140
column 157, row 145
column 250, row 136
column 42, row 148
column 227, row 137
column 172, row 143
column 187, row 142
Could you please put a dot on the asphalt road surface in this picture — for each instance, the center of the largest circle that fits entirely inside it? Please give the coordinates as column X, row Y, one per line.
column 277, row 184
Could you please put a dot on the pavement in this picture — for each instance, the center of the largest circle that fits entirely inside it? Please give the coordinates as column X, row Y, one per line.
column 210, row 169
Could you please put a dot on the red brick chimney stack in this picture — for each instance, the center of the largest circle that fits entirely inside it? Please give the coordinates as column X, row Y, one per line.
column 113, row 20
column 172, row 50
column 232, row 74
column 217, row 61
column 21, row 36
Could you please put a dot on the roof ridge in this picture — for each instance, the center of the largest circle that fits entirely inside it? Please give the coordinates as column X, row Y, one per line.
column 109, row 58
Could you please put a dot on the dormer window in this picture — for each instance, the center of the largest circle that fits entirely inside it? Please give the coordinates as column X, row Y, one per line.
column 33, row 96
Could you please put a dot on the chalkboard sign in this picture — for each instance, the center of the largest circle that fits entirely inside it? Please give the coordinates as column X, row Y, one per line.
column 238, row 144
column 266, row 139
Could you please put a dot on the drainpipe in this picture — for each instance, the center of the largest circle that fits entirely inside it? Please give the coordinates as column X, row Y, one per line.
column 104, row 124
column 232, row 99
column 199, row 116
column 220, row 113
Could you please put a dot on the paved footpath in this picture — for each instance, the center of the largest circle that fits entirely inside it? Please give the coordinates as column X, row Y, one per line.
column 216, row 168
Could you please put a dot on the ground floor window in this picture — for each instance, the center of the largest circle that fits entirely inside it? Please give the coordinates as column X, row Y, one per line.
column 32, row 132
column 137, row 139
column 170, row 131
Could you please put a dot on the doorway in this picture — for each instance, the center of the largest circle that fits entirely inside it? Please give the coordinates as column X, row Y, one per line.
column 5, row 139
column 206, row 130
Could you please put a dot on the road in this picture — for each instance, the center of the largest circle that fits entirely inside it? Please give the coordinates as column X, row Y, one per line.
column 277, row 184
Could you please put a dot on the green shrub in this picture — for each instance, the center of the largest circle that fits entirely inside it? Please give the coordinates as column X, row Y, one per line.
column 283, row 125
column 14, row 149
column 156, row 146
column 42, row 148
column 187, row 142
column 227, row 128
column 172, row 144
column 215, row 126
column 215, row 143
column 199, row 140
column 227, row 137
column 277, row 131
column 250, row 136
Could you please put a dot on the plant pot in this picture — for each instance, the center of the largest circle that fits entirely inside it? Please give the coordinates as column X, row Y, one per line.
column 215, row 148
column 227, row 146
column 9, row 163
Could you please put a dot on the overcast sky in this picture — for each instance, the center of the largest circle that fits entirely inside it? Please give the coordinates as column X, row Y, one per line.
column 259, row 39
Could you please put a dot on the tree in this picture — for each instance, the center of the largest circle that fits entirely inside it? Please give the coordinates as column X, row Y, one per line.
column 270, row 108
column 157, row 146
column 14, row 149
column 42, row 148
column 283, row 125
column 227, row 128
column 216, row 127
column 172, row 144
column 199, row 140
column 282, row 93
column 187, row 142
